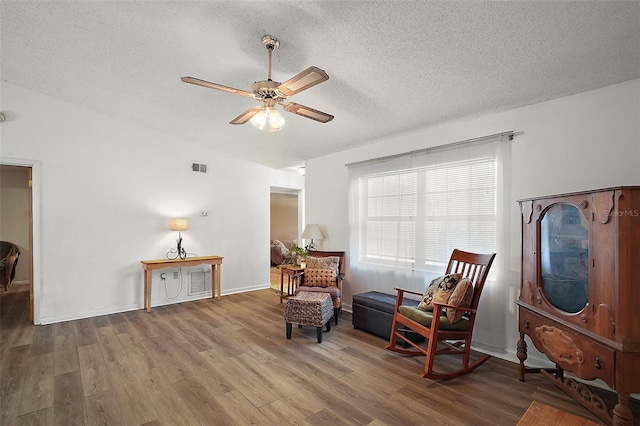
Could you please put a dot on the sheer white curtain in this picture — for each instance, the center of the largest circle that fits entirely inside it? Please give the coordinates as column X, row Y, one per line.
column 408, row 212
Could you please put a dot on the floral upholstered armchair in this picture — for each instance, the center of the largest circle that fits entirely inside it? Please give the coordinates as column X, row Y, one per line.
column 324, row 273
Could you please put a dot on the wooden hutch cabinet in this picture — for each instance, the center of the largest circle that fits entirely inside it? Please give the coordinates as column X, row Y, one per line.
column 579, row 298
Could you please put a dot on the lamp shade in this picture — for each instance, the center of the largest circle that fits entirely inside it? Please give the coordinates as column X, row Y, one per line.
column 312, row 232
column 179, row 224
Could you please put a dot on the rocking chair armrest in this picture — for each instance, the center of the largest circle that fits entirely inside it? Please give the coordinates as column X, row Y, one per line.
column 400, row 295
column 404, row 290
column 437, row 305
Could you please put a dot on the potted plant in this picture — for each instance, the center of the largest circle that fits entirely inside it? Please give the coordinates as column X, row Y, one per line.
column 298, row 254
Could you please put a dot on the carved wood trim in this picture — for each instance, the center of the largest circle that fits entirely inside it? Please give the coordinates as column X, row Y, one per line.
column 538, row 291
column 583, row 394
column 527, row 292
column 603, row 205
column 527, row 211
column 559, row 345
column 605, row 321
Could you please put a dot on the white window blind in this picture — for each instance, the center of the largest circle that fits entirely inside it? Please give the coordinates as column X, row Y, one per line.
column 415, row 218
column 410, row 211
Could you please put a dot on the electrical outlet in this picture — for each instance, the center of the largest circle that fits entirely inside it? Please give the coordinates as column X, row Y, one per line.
column 204, row 214
column 175, row 275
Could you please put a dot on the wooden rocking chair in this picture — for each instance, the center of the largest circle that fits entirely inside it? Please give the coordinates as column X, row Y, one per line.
column 455, row 338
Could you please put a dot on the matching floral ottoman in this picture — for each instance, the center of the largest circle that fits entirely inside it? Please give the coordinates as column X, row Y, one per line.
column 307, row 308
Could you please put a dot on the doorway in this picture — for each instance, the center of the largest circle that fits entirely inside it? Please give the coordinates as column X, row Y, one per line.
column 286, row 219
column 19, row 216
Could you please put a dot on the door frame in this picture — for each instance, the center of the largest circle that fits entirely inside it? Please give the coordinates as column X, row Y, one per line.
column 35, row 231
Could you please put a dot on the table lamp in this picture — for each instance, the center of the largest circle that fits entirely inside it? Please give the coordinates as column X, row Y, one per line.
column 312, row 231
column 179, row 224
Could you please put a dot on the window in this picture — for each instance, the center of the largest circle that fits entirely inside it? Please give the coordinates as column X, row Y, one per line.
column 410, row 211
column 407, row 213
column 415, row 218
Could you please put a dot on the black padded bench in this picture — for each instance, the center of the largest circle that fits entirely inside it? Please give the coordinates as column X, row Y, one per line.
column 373, row 312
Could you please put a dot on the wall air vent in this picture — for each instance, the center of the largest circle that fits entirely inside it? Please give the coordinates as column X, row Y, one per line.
column 196, row 167
column 199, row 282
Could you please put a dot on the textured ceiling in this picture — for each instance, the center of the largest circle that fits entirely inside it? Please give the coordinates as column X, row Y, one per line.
column 394, row 66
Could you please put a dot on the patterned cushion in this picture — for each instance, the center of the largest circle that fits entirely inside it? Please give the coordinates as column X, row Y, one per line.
column 461, row 296
column 319, row 277
column 425, row 318
column 439, row 291
column 329, row 262
column 333, row 291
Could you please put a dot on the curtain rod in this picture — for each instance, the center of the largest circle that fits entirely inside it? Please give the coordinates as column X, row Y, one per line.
column 510, row 133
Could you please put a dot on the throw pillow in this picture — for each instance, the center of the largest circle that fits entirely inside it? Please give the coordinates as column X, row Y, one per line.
column 439, row 291
column 461, row 296
column 328, row 262
column 319, row 277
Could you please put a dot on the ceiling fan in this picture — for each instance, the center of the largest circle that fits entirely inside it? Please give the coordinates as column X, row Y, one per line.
column 271, row 92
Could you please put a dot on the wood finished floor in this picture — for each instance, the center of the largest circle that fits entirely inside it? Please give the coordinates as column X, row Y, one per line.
column 275, row 277
column 228, row 362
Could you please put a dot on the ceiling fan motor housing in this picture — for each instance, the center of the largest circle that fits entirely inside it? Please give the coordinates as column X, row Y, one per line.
column 267, row 89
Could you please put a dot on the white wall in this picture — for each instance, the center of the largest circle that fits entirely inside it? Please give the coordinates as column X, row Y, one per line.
column 587, row 141
column 107, row 192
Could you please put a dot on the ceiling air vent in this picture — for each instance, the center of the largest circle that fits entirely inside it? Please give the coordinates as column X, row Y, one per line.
column 199, row 167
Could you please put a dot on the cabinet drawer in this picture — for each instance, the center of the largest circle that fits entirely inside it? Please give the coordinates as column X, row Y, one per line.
column 572, row 351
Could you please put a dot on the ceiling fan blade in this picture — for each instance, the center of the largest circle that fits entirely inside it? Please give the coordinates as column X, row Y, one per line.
column 246, row 116
column 307, row 112
column 302, row 81
column 216, row 86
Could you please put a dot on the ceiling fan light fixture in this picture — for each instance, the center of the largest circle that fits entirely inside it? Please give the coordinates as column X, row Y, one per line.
column 268, row 118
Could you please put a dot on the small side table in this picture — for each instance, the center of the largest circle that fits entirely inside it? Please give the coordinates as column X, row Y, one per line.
column 294, row 273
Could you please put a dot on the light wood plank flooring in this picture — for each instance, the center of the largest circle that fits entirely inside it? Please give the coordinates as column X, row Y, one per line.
column 275, row 277
column 228, row 362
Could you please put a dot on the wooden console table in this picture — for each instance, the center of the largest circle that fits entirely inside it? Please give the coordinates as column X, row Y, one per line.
column 151, row 265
